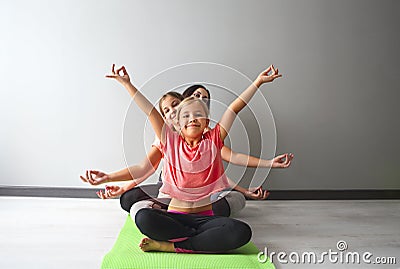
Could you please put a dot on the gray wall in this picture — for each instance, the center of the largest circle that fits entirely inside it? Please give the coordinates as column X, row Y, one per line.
column 336, row 106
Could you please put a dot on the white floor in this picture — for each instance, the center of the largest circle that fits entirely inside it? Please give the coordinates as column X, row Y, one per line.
column 77, row 233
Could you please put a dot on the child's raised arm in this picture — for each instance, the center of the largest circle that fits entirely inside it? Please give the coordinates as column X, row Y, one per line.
column 157, row 122
column 239, row 103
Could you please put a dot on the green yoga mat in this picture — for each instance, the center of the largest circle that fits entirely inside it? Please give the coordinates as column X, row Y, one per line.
column 127, row 254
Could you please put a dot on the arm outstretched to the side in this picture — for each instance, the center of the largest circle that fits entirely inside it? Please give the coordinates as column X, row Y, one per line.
column 139, row 172
column 280, row 161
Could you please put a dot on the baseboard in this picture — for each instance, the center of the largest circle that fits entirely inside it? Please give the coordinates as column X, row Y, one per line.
column 61, row 192
column 58, row 192
column 333, row 194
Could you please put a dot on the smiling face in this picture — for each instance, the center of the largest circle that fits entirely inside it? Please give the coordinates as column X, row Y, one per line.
column 193, row 119
column 169, row 107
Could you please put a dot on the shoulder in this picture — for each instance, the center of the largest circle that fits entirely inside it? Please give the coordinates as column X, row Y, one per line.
column 172, row 138
column 215, row 135
column 212, row 132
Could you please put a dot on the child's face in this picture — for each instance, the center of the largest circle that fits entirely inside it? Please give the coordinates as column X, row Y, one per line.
column 169, row 105
column 201, row 93
column 193, row 120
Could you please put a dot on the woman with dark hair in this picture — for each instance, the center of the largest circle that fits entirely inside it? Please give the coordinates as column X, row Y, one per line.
column 198, row 91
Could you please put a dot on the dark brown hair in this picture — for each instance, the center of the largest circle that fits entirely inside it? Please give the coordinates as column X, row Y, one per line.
column 190, row 90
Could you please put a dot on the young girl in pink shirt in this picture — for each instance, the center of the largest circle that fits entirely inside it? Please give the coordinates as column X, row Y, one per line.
column 193, row 171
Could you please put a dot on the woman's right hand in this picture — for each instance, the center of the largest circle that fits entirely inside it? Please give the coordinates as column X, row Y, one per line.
column 124, row 79
column 94, row 177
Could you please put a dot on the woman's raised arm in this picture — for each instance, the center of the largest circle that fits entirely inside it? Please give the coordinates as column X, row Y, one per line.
column 157, row 122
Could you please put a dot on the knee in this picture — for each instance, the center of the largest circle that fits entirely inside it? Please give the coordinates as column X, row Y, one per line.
column 143, row 218
column 239, row 198
column 128, row 198
column 246, row 232
column 241, row 232
column 236, row 201
column 123, row 200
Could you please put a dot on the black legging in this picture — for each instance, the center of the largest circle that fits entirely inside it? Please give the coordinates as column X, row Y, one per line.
column 207, row 234
column 150, row 192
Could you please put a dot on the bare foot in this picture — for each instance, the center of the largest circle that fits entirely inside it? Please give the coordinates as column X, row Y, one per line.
column 148, row 244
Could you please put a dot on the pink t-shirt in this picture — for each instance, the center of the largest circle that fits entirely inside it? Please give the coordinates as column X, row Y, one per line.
column 191, row 174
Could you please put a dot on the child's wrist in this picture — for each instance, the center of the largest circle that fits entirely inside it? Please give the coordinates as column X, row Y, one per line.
column 258, row 82
column 270, row 163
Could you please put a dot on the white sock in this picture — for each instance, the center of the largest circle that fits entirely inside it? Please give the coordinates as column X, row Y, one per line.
column 139, row 205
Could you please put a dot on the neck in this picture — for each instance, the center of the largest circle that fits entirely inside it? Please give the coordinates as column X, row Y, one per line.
column 192, row 141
